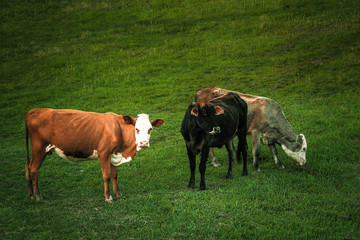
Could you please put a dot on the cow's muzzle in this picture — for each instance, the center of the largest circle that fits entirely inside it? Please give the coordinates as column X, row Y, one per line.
column 144, row 144
column 301, row 164
column 215, row 130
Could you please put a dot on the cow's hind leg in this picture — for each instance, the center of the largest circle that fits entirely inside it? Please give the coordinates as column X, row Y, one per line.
column 32, row 171
column 106, row 173
column 114, row 181
column 232, row 155
column 273, row 151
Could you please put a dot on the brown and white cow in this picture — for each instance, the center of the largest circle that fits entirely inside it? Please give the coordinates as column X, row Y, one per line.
column 266, row 124
column 77, row 135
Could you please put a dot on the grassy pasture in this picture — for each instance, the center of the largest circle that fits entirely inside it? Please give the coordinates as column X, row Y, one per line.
column 131, row 57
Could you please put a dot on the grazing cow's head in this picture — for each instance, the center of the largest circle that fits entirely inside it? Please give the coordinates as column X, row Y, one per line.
column 206, row 117
column 298, row 150
column 143, row 127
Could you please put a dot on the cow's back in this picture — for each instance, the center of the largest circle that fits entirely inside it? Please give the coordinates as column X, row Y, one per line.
column 262, row 111
column 76, row 133
column 81, row 129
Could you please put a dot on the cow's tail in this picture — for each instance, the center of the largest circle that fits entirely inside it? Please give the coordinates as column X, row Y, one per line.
column 27, row 166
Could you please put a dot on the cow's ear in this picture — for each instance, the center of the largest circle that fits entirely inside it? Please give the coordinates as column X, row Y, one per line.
column 219, row 110
column 195, row 111
column 157, row 122
column 129, row 120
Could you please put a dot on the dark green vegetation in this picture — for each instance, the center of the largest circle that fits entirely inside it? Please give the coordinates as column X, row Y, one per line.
column 131, row 57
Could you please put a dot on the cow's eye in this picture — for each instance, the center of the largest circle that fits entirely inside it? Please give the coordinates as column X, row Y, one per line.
column 149, row 131
column 137, row 131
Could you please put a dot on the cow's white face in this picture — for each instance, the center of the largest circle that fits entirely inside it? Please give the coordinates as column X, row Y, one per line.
column 143, row 129
column 300, row 155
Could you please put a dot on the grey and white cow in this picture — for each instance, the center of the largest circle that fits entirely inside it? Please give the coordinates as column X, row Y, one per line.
column 266, row 124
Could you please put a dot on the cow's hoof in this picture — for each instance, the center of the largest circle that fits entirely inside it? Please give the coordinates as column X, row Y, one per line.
column 121, row 197
column 229, row 176
column 109, row 200
column 215, row 163
column 38, row 198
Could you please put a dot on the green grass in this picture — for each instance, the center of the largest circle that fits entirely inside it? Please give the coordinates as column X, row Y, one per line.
column 131, row 57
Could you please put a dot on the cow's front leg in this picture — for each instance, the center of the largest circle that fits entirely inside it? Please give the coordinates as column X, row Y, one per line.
column 232, row 154
column 242, row 148
column 192, row 161
column 114, row 181
column 106, row 173
column 214, row 160
column 202, row 166
column 273, row 151
column 255, row 144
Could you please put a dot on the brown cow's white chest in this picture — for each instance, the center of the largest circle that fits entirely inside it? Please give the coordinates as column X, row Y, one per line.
column 116, row 158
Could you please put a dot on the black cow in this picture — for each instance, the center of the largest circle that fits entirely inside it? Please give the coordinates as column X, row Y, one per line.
column 213, row 123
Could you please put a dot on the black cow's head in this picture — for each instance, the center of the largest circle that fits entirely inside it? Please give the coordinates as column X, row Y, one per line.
column 206, row 117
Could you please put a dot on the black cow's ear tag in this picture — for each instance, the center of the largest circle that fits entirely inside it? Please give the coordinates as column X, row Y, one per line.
column 195, row 111
column 219, row 110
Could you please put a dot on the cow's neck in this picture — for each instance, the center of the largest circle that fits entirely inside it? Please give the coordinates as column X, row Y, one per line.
column 126, row 145
column 123, row 154
column 130, row 151
column 286, row 134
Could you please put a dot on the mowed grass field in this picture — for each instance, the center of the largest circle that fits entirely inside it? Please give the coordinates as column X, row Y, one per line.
column 131, row 57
